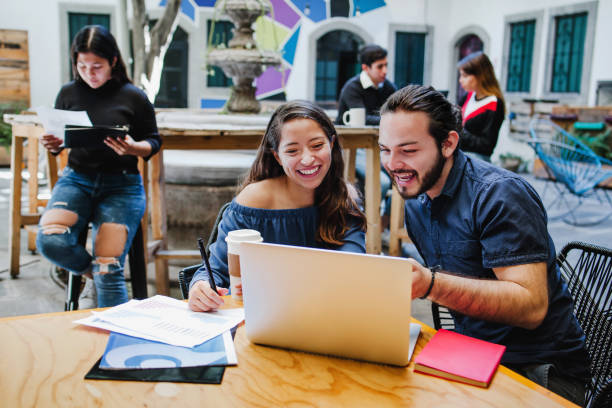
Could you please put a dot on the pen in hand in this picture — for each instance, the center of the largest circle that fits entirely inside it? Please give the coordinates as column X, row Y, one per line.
column 211, row 280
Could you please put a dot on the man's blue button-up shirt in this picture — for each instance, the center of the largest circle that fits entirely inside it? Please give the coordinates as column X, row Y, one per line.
column 487, row 217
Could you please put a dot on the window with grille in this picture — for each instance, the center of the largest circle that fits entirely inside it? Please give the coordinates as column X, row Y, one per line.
column 520, row 56
column 570, row 32
column 409, row 58
column 220, row 34
column 337, row 61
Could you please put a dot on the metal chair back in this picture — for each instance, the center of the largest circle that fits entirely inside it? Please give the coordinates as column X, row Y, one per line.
column 186, row 274
column 587, row 269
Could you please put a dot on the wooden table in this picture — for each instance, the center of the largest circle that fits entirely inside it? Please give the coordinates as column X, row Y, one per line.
column 44, row 358
column 200, row 137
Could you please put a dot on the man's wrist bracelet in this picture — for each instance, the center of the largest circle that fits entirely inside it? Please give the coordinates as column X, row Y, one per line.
column 433, row 278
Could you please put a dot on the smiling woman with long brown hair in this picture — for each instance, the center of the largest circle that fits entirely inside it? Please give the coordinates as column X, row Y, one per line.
column 295, row 194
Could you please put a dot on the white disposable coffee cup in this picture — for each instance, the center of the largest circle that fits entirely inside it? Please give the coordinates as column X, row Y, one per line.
column 354, row 117
column 233, row 239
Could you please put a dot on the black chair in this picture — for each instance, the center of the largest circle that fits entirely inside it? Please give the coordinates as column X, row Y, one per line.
column 138, row 272
column 442, row 318
column 186, row 274
column 587, row 269
column 603, row 397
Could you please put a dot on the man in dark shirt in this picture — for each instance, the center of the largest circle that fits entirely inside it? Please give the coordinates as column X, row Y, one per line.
column 486, row 227
column 369, row 90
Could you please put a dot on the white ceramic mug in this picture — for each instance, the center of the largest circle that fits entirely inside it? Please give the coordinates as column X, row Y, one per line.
column 354, row 117
column 233, row 239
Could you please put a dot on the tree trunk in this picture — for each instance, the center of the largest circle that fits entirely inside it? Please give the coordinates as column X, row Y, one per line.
column 150, row 46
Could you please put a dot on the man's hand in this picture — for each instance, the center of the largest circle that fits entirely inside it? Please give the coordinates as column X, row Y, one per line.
column 203, row 299
column 518, row 297
column 51, row 142
column 128, row 146
column 421, row 278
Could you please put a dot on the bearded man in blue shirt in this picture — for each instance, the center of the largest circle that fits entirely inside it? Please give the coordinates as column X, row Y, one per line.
column 481, row 231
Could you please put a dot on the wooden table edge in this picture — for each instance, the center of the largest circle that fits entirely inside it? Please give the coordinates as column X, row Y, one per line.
column 231, row 304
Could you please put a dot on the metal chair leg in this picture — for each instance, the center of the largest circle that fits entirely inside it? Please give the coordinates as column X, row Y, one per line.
column 73, row 289
column 138, row 267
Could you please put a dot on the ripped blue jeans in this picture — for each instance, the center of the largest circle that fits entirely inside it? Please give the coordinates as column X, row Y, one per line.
column 114, row 204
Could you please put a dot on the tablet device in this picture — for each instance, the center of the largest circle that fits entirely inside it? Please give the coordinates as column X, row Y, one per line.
column 91, row 137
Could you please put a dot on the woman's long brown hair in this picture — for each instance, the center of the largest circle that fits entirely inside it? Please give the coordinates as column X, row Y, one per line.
column 479, row 65
column 335, row 199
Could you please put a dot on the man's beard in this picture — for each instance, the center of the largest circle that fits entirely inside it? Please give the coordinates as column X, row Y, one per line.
column 429, row 179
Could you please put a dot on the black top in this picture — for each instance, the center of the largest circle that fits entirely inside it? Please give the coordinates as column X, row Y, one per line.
column 481, row 129
column 112, row 104
column 354, row 96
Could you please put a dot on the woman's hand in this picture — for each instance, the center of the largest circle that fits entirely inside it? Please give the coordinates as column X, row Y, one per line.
column 203, row 299
column 128, row 146
column 51, row 142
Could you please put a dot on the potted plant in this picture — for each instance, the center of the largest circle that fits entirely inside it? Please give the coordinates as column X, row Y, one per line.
column 6, row 133
column 510, row 161
column 600, row 143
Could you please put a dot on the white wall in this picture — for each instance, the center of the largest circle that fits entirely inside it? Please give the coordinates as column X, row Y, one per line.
column 602, row 54
column 46, row 23
column 43, row 39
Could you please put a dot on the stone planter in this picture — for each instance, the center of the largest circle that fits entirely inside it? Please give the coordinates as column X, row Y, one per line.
column 511, row 164
column 198, row 183
column 5, row 156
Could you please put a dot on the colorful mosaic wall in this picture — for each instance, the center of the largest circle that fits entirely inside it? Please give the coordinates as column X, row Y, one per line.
column 280, row 30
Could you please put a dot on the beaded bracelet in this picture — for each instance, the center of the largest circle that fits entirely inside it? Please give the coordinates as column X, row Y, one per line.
column 433, row 278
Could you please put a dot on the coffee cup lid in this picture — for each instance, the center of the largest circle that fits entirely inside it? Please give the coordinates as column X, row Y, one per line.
column 234, row 238
column 243, row 235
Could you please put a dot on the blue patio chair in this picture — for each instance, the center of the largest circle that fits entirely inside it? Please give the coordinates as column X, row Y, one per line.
column 576, row 173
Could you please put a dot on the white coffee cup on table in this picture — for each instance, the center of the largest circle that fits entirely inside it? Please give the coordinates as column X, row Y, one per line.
column 233, row 239
column 354, row 117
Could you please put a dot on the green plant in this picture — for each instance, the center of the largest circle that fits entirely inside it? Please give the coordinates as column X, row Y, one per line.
column 600, row 143
column 511, row 161
column 6, row 133
column 510, row 156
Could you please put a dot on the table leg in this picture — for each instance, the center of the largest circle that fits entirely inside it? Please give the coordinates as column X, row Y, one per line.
column 143, row 168
column 372, row 199
column 32, row 164
column 52, row 169
column 396, row 224
column 15, row 204
column 158, row 221
column 350, row 156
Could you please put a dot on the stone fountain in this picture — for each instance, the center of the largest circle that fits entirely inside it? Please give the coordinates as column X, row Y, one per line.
column 243, row 61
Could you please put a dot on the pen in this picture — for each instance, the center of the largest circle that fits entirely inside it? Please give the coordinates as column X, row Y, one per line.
column 205, row 259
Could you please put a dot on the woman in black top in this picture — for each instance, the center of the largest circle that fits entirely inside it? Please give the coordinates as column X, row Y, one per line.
column 482, row 108
column 100, row 185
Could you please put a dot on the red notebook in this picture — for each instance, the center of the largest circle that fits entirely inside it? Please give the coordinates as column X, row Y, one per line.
column 461, row 358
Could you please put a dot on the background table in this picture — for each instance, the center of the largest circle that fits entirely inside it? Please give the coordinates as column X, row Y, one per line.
column 44, row 358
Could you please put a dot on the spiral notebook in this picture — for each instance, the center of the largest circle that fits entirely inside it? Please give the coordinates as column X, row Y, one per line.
column 177, row 362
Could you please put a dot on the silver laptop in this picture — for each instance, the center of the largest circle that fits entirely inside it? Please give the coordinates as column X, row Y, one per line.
column 328, row 302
